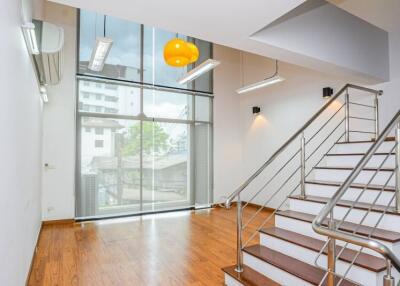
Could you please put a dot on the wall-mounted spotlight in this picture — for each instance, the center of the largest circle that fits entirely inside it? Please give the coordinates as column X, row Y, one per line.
column 256, row 109
column 327, row 92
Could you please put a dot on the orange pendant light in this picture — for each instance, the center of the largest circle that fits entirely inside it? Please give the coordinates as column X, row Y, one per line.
column 194, row 52
column 177, row 53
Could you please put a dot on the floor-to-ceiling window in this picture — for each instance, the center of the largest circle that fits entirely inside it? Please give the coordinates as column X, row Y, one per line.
column 144, row 141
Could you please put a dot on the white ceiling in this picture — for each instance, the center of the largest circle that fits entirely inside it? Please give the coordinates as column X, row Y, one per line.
column 232, row 22
column 225, row 22
column 381, row 13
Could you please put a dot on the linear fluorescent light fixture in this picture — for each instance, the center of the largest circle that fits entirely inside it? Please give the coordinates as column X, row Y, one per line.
column 269, row 81
column 30, row 38
column 275, row 78
column 99, row 54
column 199, row 70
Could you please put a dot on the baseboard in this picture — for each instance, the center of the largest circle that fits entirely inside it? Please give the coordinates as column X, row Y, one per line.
column 58, row 221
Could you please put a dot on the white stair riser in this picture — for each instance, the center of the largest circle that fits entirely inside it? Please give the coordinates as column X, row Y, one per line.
column 388, row 222
column 230, row 281
column 363, row 178
column 352, row 160
column 352, row 194
column 361, row 147
column 356, row 273
column 278, row 275
column 305, row 228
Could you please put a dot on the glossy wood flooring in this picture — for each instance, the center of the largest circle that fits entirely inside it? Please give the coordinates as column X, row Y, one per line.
column 180, row 248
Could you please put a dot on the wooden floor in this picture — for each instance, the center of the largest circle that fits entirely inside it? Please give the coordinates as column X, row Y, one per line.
column 180, row 248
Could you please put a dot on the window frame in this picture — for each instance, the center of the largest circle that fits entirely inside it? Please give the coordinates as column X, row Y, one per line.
column 104, row 81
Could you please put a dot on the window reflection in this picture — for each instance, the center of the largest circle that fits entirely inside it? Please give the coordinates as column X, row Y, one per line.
column 125, row 58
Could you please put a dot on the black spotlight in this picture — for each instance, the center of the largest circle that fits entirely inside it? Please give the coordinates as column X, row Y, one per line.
column 327, row 92
column 256, row 109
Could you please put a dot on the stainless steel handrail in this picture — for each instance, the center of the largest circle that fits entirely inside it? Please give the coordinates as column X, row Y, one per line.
column 231, row 197
column 328, row 208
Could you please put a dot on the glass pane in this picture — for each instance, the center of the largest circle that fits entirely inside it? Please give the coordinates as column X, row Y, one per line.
column 163, row 104
column 156, row 71
column 203, row 108
column 110, row 167
column 165, row 165
column 202, row 154
column 204, row 82
column 108, row 98
column 123, row 61
column 90, row 23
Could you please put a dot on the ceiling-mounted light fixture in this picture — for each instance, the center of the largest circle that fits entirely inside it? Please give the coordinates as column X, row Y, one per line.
column 199, row 70
column 99, row 54
column 30, row 38
column 275, row 78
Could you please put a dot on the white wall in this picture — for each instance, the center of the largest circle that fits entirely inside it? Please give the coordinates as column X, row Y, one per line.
column 242, row 141
column 384, row 14
column 227, row 131
column 20, row 149
column 58, row 201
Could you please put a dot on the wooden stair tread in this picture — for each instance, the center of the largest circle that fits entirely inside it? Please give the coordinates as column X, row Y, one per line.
column 249, row 277
column 381, row 234
column 383, row 169
column 364, row 260
column 295, row 267
column 353, row 185
column 346, row 203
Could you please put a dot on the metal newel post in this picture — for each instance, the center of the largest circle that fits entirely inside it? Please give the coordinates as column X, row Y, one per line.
column 347, row 116
column 239, row 266
column 303, row 166
column 397, row 160
column 388, row 279
column 376, row 103
column 331, row 253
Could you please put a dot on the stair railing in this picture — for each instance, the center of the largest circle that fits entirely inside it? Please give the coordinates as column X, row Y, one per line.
column 334, row 232
column 285, row 172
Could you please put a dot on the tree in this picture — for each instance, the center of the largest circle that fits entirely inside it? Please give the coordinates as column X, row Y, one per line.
column 155, row 139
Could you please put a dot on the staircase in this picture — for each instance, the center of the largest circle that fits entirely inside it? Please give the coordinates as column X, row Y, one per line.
column 330, row 196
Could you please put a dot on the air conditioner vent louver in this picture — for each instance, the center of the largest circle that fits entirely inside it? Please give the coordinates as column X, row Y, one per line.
column 49, row 61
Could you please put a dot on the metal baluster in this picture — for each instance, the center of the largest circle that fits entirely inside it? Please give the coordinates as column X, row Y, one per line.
column 388, row 279
column 239, row 265
column 303, row 166
column 397, row 159
column 376, row 103
column 347, row 116
column 331, row 253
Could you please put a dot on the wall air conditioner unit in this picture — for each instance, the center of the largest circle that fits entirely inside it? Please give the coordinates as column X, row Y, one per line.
column 49, row 60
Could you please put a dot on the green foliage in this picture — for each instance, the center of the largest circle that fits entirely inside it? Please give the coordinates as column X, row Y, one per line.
column 155, row 139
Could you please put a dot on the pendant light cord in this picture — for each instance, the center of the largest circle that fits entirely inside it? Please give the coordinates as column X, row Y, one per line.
column 104, row 25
